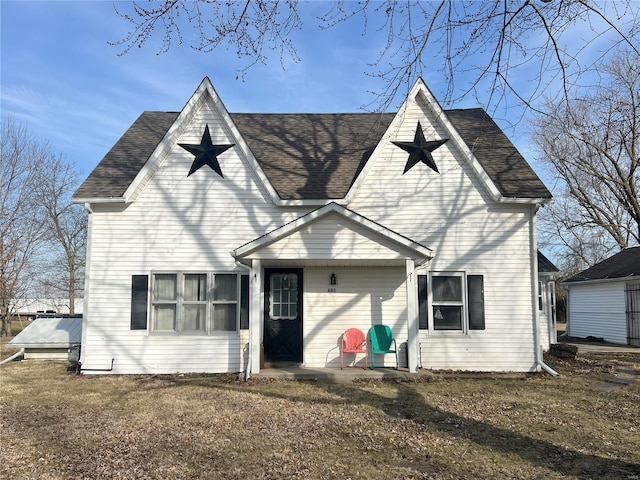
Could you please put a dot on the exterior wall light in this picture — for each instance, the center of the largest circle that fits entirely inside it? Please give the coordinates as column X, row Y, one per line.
column 333, row 280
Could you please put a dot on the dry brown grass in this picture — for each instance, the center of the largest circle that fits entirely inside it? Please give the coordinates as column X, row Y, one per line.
column 56, row 425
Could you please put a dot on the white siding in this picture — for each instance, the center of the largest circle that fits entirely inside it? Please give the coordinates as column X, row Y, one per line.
column 598, row 310
column 175, row 224
column 191, row 224
column 334, row 237
column 363, row 297
column 453, row 214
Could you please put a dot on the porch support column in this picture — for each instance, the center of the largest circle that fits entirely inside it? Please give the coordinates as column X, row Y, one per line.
column 412, row 316
column 255, row 315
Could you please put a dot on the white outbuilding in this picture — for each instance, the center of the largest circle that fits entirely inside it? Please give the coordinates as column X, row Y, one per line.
column 603, row 301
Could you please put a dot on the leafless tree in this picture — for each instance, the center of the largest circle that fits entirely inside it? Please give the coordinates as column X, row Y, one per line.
column 42, row 236
column 592, row 144
column 22, row 219
column 67, row 232
column 507, row 51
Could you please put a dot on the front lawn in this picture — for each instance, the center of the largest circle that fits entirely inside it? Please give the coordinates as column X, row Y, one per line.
column 56, row 425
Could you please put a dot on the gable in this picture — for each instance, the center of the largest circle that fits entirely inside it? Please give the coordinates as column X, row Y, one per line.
column 308, row 157
column 334, row 233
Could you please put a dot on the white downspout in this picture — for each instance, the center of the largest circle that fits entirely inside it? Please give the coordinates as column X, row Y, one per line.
column 15, row 355
column 255, row 317
column 534, row 294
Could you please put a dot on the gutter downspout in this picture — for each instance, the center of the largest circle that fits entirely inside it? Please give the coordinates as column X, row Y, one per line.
column 534, row 297
column 15, row 355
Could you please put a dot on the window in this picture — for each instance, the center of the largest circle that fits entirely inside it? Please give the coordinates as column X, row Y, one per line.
column 283, row 301
column 165, row 301
column 447, row 303
column 540, row 295
column 225, row 302
column 194, row 303
column 451, row 301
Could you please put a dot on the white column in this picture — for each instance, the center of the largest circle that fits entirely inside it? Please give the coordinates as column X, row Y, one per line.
column 255, row 315
column 413, row 343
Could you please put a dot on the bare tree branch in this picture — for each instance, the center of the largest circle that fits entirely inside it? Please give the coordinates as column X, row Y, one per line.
column 483, row 49
column 591, row 143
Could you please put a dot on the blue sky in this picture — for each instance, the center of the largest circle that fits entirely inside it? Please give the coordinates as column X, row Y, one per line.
column 60, row 75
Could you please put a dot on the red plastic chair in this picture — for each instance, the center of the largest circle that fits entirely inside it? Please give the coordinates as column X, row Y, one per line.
column 353, row 341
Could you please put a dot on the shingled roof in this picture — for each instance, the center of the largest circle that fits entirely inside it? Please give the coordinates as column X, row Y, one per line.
column 624, row 264
column 545, row 265
column 315, row 156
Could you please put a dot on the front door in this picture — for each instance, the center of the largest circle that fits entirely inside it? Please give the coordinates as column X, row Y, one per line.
column 283, row 315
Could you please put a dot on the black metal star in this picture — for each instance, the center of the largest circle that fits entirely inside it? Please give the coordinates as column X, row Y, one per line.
column 420, row 150
column 206, row 153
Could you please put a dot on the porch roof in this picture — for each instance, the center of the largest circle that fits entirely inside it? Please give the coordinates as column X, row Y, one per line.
column 333, row 235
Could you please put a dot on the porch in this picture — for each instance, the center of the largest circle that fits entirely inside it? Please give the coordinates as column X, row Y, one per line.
column 332, row 375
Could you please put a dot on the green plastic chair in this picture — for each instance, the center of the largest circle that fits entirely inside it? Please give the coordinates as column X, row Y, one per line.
column 382, row 341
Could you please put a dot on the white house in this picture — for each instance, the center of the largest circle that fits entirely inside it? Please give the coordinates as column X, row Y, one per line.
column 548, row 273
column 220, row 241
column 604, row 301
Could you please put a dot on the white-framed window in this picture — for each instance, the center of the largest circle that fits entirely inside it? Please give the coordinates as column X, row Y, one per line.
column 448, row 301
column 283, row 300
column 194, row 303
column 451, row 301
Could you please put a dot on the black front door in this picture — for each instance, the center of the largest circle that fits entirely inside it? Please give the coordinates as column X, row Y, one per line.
column 283, row 315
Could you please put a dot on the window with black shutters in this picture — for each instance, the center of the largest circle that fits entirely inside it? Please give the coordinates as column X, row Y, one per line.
column 443, row 303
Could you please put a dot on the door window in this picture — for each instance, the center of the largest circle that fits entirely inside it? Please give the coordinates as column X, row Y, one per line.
column 283, row 296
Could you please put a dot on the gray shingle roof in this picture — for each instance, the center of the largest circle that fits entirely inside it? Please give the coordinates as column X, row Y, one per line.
column 508, row 169
column 315, row 156
column 623, row 264
column 121, row 164
column 312, row 156
column 545, row 265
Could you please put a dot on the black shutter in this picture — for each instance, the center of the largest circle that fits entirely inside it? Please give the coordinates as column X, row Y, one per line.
column 244, row 302
column 423, row 311
column 475, row 289
column 139, row 297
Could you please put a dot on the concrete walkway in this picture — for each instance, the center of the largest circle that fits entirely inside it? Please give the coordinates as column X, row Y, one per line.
column 587, row 346
column 332, row 375
column 623, row 376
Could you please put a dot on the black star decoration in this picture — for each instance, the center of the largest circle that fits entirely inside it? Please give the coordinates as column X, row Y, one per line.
column 420, row 150
column 206, row 153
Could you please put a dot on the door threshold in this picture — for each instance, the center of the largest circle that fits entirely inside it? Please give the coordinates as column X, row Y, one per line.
column 281, row 364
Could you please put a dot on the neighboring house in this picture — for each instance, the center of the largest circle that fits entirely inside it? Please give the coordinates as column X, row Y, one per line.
column 219, row 240
column 547, row 275
column 604, row 301
column 49, row 338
